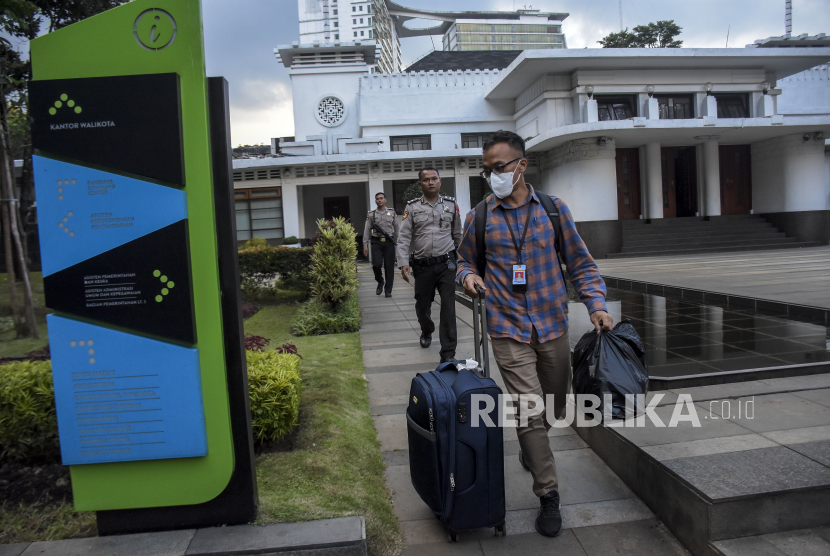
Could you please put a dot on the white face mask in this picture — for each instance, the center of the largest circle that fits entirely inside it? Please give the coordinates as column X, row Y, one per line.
column 502, row 184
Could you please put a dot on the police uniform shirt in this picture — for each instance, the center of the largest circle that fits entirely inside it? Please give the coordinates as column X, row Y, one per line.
column 387, row 220
column 429, row 229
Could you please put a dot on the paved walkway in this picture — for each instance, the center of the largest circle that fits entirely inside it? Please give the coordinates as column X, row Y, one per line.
column 601, row 515
column 797, row 276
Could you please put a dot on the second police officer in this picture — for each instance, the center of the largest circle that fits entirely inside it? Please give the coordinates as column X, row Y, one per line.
column 430, row 234
column 380, row 234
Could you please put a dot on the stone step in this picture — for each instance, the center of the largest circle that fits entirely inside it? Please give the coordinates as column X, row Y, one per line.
column 693, row 221
column 696, row 239
column 698, row 230
column 695, row 251
column 701, row 244
column 787, row 543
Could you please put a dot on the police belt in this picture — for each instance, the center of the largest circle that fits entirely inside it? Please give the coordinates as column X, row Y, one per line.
column 376, row 239
column 432, row 260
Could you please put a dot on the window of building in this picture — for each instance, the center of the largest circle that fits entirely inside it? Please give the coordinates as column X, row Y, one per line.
column 355, row 33
column 369, row 21
column 370, row 33
column 615, row 107
column 337, row 24
column 399, row 187
column 259, row 213
column 361, row 8
column 479, row 190
column 369, row 9
column 410, row 143
column 354, row 8
column 354, row 21
column 493, row 38
column 336, row 37
column 361, row 21
column 675, row 107
column 513, row 38
column 732, row 105
column 361, row 34
column 493, row 28
column 335, row 11
column 512, row 28
column 474, row 140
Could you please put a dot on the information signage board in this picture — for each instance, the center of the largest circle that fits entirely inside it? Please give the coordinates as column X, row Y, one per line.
column 125, row 197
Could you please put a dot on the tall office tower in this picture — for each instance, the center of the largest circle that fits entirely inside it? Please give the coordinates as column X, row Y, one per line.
column 520, row 30
column 367, row 21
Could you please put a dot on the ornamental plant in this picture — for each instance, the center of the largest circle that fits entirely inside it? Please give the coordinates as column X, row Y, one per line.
column 274, row 386
column 333, row 267
column 28, row 420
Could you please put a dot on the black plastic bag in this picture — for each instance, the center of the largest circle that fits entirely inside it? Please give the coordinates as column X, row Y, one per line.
column 611, row 362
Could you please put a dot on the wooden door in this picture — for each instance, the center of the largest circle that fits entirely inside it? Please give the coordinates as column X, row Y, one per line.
column 735, row 179
column 685, row 176
column 336, row 206
column 628, row 184
column 667, row 157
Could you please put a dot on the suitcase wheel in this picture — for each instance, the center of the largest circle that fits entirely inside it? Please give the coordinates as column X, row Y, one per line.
column 501, row 530
column 452, row 536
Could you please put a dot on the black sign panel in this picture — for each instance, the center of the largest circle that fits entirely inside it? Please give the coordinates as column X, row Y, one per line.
column 143, row 285
column 128, row 124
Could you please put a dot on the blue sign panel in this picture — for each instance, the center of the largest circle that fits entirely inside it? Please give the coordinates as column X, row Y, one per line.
column 84, row 212
column 122, row 397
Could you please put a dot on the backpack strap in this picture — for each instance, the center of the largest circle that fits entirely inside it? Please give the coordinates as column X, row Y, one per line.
column 481, row 226
column 553, row 214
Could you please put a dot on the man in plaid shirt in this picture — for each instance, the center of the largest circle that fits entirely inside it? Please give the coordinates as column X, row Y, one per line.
column 528, row 302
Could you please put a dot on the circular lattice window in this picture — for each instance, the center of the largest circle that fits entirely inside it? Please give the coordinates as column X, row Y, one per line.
column 330, row 111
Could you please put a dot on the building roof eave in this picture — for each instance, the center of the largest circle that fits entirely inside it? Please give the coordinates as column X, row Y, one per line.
column 531, row 64
column 382, row 156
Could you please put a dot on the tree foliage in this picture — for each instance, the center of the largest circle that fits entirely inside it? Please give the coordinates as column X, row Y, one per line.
column 654, row 35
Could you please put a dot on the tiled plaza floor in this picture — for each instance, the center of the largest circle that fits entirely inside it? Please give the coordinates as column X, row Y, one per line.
column 601, row 515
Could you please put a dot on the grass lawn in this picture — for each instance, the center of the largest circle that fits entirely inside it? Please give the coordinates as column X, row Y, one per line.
column 9, row 346
column 336, row 467
column 31, row 523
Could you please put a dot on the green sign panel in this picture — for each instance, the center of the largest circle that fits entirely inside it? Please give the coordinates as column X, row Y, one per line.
column 125, row 93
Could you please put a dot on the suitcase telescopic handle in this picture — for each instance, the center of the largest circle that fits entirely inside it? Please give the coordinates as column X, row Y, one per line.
column 482, row 354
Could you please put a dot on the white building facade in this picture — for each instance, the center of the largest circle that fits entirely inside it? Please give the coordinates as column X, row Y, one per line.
column 619, row 134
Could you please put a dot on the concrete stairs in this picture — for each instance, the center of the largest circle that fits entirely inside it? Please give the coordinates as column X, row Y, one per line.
column 681, row 236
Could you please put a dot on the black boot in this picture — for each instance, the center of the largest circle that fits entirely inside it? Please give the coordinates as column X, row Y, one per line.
column 426, row 340
column 549, row 518
column 380, row 289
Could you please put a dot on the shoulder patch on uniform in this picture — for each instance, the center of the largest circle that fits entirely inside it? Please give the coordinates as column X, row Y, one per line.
column 450, row 199
column 405, row 214
column 413, row 200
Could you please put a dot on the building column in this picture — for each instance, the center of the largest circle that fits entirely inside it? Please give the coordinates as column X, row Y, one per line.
column 654, row 181
column 375, row 186
column 462, row 194
column 711, row 178
column 290, row 208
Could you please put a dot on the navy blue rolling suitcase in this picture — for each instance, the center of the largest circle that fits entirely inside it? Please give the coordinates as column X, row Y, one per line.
column 456, row 468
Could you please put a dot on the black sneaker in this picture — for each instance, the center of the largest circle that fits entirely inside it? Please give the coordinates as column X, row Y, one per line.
column 380, row 289
column 426, row 340
column 549, row 518
column 388, row 294
column 522, row 461
column 448, row 359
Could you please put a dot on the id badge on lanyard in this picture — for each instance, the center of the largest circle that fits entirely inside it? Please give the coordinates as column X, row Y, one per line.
column 520, row 269
column 519, row 278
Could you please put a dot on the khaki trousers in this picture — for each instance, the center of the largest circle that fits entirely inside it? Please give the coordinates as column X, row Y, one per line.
column 541, row 369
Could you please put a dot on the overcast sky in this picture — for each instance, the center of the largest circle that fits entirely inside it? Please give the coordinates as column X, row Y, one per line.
column 241, row 35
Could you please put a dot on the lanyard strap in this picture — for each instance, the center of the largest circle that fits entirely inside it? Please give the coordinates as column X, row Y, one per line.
column 524, row 234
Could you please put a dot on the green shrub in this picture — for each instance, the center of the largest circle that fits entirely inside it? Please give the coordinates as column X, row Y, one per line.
column 291, row 240
column 274, row 385
column 333, row 267
column 28, row 422
column 263, row 263
column 253, row 242
column 315, row 318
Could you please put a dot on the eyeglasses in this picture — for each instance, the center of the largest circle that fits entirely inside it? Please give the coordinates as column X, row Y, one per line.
column 498, row 169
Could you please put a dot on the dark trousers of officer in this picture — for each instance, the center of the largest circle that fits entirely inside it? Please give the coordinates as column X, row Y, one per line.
column 383, row 254
column 427, row 279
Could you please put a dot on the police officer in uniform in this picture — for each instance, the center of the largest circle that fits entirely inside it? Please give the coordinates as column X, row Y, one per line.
column 382, row 245
column 430, row 233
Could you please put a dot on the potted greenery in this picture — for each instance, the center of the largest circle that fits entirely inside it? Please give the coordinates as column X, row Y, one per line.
column 291, row 241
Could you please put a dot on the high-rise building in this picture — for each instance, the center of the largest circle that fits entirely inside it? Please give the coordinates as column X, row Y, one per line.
column 528, row 29
column 365, row 21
